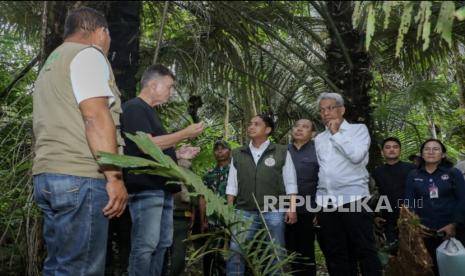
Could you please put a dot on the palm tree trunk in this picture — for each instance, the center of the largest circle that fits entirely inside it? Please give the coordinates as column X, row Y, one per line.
column 348, row 65
column 124, row 24
column 226, row 113
column 53, row 18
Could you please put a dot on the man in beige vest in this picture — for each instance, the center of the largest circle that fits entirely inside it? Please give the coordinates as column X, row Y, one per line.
column 76, row 114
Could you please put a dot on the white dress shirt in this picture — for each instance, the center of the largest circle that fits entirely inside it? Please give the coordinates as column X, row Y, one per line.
column 343, row 158
column 289, row 174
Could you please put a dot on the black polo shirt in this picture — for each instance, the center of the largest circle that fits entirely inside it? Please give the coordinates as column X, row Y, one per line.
column 139, row 116
column 306, row 167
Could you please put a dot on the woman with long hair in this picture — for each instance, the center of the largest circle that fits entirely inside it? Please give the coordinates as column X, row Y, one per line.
column 441, row 189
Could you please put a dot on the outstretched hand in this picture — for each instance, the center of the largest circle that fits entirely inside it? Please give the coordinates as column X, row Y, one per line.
column 187, row 152
column 194, row 130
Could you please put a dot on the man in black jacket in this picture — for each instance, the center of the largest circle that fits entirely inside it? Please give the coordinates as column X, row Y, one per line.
column 390, row 180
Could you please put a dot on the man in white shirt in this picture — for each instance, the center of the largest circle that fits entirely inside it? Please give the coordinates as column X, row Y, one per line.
column 257, row 170
column 342, row 151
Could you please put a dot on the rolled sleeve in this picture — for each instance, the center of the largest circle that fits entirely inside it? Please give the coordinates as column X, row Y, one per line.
column 289, row 175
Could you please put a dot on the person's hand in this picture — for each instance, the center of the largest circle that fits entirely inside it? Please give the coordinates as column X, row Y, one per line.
column 334, row 125
column 290, row 218
column 425, row 231
column 194, row 130
column 187, row 152
column 117, row 197
column 449, row 231
column 379, row 222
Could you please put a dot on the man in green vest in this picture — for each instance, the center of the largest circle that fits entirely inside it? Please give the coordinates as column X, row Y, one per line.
column 262, row 170
column 76, row 107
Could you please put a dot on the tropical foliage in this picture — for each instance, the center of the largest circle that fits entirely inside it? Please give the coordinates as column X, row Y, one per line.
column 233, row 223
column 399, row 65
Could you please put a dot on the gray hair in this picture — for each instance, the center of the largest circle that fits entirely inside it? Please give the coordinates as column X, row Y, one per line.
column 333, row 96
column 155, row 71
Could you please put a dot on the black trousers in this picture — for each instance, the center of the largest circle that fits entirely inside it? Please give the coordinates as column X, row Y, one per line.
column 119, row 236
column 432, row 243
column 347, row 239
column 300, row 238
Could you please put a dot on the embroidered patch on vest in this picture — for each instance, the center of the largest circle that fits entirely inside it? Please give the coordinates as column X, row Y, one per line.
column 270, row 162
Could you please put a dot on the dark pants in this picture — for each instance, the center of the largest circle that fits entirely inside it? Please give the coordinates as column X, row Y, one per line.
column 119, row 242
column 432, row 243
column 300, row 238
column 391, row 231
column 177, row 252
column 345, row 235
column 214, row 263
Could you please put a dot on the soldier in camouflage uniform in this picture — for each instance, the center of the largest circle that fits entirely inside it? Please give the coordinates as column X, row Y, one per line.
column 215, row 179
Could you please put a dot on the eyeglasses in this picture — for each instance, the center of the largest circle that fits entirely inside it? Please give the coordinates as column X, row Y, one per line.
column 435, row 149
column 329, row 108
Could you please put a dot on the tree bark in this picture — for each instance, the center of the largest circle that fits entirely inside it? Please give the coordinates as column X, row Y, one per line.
column 53, row 21
column 124, row 25
column 352, row 76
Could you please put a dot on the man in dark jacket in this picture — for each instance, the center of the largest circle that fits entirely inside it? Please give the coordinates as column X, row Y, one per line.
column 300, row 237
column 390, row 180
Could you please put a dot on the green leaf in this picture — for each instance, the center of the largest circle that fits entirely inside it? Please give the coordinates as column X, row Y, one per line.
column 424, row 23
column 146, row 145
column 387, row 6
column 460, row 13
column 371, row 24
column 406, row 19
column 124, row 161
column 357, row 13
column 445, row 21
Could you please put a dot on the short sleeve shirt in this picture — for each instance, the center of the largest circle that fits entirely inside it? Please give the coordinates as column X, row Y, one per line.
column 139, row 116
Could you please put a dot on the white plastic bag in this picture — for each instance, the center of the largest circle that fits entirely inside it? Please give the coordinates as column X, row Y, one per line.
column 451, row 258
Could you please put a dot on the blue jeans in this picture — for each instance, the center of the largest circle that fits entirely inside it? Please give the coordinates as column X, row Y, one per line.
column 75, row 229
column 275, row 223
column 152, row 231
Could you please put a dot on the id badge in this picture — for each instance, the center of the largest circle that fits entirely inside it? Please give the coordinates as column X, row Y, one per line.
column 433, row 192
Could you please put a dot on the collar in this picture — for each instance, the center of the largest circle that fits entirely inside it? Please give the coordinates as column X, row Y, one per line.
column 222, row 168
column 344, row 126
column 261, row 147
column 395, row 164
column 438, row 169
column 302, row 147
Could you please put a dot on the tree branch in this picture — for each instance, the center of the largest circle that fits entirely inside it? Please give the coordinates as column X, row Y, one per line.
column 160, row 32
column 21, row 74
